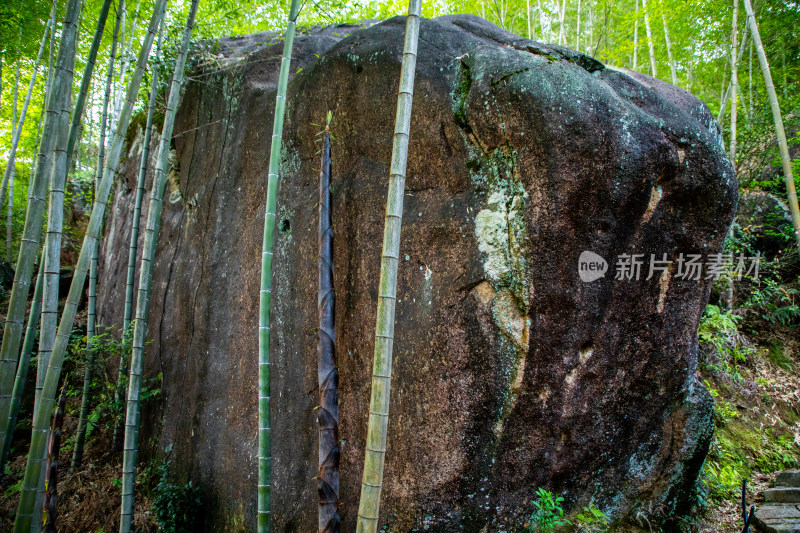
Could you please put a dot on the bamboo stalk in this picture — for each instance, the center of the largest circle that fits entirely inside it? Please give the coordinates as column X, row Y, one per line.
column 750, row 79
column 673, row 69
column 137, row 209
column 734, row 81
column 780, row 133
column 30, row 242
column 650, row 44
column 53, row 448
column 34, row 465
column 24, row 364
column 327, row 372
column 145, row 280
column 17, row 130
column 375, row 453
column 134, row 240
column 265, row 294
column 528, row 17
column 63, row 151
column 727, row 93
column 635, row 37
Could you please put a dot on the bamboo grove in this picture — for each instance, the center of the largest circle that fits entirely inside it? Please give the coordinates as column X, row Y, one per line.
column 89, row 66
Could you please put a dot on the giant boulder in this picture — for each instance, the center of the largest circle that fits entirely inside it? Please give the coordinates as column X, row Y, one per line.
column 510, row 372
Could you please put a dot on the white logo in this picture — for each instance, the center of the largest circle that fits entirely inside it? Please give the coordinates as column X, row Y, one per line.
column 591, row 266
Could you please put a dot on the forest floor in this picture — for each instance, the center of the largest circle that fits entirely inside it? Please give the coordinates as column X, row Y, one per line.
column 757, row 415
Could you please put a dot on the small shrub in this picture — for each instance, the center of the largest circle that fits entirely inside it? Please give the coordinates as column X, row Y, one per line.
column 548, row 514
column 723, row 346
column 592, row 519
column 175, row 506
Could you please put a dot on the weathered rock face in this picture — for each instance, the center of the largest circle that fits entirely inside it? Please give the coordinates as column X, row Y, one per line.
column 510, row 373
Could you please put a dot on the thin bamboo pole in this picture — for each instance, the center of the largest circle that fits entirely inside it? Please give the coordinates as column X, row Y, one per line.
column 17, row 131
column 265, row 294
column 15, row 125
column 28, row 250
column 24, row 364
column 34, row 465
column 780, row 133
column 27, row 518
column 672, row 67
column 650, row 44
column 134, row 240
column 131, row 447
column 636, row 38
column 734, row 81
column 375, row 453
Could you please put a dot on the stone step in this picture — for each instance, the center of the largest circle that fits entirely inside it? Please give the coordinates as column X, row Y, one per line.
column 788, row 478
column 782, row 495
column 777, row 518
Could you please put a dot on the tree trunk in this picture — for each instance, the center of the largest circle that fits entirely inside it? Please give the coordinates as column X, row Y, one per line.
column 562, row 19
column 145, row 280
column 783, row 148
column 125, row 55
column 375, row 453
column 101, row 144
column 55, row 221
column 34, row 465
column 265, row 295
column 327, row 373
column 578, row 29
column 62, row 155
column 528, row 17
column 541, row 23
column 649, row 40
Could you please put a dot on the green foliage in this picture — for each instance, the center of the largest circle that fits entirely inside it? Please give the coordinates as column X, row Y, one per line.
column 777, row 355
column 176, row 506
column 775, row 302
column 108, row 395
column 739, row 450
column 547, row 513
column 592, row 519
column 723, row 347
column 723, row 409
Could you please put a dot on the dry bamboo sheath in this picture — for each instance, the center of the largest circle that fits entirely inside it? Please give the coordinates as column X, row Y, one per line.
column 327, row 373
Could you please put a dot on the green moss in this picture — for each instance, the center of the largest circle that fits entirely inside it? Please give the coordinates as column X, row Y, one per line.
column 778, row 356
column 459, row 95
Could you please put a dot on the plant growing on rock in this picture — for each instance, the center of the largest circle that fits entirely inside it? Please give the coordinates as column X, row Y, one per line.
column 547, row 513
